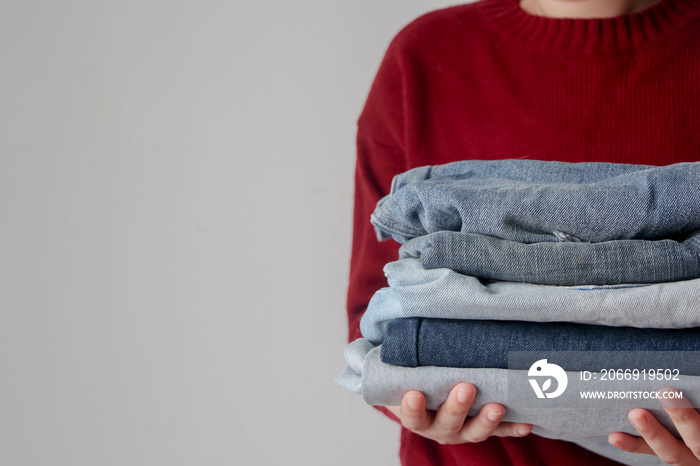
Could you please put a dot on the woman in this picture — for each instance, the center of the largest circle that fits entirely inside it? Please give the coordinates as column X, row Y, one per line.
column 568, row 80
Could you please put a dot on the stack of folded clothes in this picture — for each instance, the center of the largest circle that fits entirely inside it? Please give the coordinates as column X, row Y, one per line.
column 520, row 256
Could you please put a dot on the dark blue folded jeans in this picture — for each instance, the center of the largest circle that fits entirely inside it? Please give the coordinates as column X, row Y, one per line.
column 564, row 263
column 417, row 342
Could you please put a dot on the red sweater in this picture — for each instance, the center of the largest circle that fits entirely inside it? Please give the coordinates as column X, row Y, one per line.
column 489, row 81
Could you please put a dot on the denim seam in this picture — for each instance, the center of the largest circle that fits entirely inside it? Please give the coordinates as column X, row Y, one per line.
column 420, row 322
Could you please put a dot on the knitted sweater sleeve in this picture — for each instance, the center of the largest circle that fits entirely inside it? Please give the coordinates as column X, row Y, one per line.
column 380, row 156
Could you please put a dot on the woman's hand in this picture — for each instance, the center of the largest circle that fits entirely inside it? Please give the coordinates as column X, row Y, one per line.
column 656, row 440
column 449, row 425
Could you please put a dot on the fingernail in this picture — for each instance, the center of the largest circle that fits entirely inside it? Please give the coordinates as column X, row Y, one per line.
column 639, row 422
column 463, row 395
column 616, row 442
column 494, row 416
column 414, row 402
column 523, row 432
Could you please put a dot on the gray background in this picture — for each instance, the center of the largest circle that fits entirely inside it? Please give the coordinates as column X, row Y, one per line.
column 176, row 198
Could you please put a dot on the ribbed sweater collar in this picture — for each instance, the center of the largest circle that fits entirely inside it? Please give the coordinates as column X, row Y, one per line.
column 581, row 37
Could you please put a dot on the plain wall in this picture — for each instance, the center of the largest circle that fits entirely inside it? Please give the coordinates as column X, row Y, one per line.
column 176, row 201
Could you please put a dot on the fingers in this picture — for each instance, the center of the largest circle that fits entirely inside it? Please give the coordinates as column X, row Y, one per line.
column 512, row 429
column 448, row 426
column 413, row 414
column 445, row 425
column 488, row 423
column 630, row 443
column 484, row 424
column 449, row 419
column 656, row 440
column 659, row 440
column 684, row 417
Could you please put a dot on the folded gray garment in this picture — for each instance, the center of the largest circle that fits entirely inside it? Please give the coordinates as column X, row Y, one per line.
column 567, row 417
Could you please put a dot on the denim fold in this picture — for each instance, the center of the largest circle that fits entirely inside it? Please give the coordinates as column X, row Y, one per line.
column 562, row 263
column 648, row 203
column 533, row 171
column 442, row 293
column 558, row 418
column 419, row 341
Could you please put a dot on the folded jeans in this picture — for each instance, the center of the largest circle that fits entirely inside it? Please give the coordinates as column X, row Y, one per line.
column 419, row 341
column 561, row 263
column 442, row 293
column 650, row 203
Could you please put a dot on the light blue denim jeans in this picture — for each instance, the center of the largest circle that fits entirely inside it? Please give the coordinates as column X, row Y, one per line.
column 650, row 203
column 563, row 263
column 442, row 293
column 568, row 417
